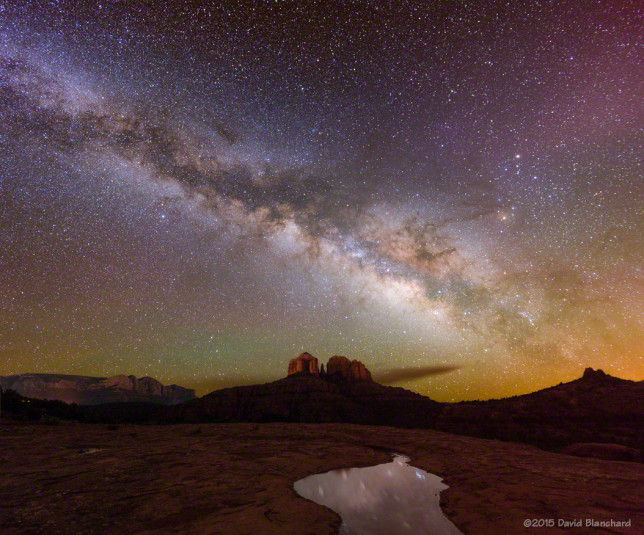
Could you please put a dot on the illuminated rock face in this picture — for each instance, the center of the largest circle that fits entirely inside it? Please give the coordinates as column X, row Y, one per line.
column 339, row 369
column 305, row 363
column 347, row 370
column 95, row 390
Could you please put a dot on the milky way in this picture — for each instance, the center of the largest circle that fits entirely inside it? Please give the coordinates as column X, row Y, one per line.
column 450, row 192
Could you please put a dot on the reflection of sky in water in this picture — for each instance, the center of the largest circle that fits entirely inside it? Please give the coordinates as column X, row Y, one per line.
column 386, row 499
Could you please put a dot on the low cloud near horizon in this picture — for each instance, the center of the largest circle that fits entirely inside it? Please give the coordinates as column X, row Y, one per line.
column 396, row 375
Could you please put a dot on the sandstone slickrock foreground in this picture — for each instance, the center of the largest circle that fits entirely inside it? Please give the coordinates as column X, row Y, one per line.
column 238, row 479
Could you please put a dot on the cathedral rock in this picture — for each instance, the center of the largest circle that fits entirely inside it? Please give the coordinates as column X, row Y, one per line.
column 339, row 369
column 305, row 363
column 347, row 370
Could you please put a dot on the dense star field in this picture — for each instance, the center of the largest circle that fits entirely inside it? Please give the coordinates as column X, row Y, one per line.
column 201, row 193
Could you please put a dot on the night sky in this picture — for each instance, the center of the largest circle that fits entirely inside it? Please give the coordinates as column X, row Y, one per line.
column 199, row 194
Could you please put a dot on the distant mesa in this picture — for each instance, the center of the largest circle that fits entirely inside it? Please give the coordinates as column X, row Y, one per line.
column 95, row 390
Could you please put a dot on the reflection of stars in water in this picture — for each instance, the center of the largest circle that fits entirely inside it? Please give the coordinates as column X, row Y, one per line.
column 380, row 499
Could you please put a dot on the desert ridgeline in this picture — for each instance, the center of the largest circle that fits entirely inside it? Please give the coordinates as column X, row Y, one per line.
column 596, row 415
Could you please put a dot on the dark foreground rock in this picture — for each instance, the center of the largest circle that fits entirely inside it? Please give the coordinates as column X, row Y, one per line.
column 238, row 479
column 20, row 409
column 611, row 452
column 596, row 408
column 308, row 398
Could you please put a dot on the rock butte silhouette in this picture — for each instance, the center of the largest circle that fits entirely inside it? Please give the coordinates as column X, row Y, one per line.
column 596, row 408
column 596, row 415
column 343, row 392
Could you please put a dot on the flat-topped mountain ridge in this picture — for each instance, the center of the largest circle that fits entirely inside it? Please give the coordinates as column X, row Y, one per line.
column 86, row 390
